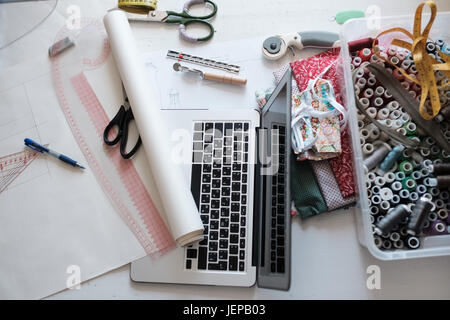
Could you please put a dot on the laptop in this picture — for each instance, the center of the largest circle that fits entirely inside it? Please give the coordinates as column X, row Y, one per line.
column 240, row 181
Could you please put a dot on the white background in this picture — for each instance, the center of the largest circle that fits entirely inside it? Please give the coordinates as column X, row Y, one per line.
column 328, row 262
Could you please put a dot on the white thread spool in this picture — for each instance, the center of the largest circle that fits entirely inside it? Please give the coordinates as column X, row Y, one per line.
column 372, row 112
column 387, row 94
column 395, row 60
column 379, row 181
column 376, row 190
column 378, row 102
column 413, row 196
column 396, row 186
column 368, row 93
column 393, row 105
column 383, row 114
column 405, row 117
column 401, row 56
column 371, row 176
column 365, row 102
column 368, row 185
column 385, row 205
column 371, row 81
column 395, row 114
column 428, row 196
column 359, row 73
column 360, row 116
column 360, row 124
column 392, row 51
column 399, row 176
column 362, row 141
column 386, row 194
column 361, row 83
column 413, row 69
column 395, row 199
column 374, row 210
column 357, row 61
column 376, row 200
column 397, row 124
column 367, row 149
column 389, row 177
column 364, row 133
column 374, row 59
column 379, row 91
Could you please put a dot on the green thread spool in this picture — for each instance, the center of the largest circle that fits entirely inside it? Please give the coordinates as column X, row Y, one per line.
column 406, row 167
column 409, row 184
column 411, row 128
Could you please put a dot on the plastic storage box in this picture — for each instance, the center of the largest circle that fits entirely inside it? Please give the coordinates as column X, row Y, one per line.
column 363, row 28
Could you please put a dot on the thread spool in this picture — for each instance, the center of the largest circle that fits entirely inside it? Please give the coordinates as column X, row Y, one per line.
column 396, row 186
column 404, row 194
column 440, row 182
column 434, row 191
column 432, row 216
column 435, row 151
column 372, row 112
column 424, row 152
column 379, row 91
column 402, row 131
column 383, row 114
column 390, row 159
column 377, row 156
column 361, row 83
column 413, row 70
column 391, row 219
column 374, row 59
column 409, row 184
column 412, row 93
column 397, row 124
column 386, row 245
column 415, row 164
column 374, row 210
column 387, row 95
column 444, row 195
column 406, row 167
column 357, row 61
column 368, row 93
column 398, row 75
column 413, row 242
column 416, row 175
column 405, row 117
column 440, row 169
column 411, row 128
column 377, row 240
column 421, row 189
column 442, row 214
column 435, row 161
column 405, row 64
column 391, row 51
column 393, row 105
column 395, row 199
column 413, row 196
column 386, row 194
column 374, row 132
column 438, row 228
column 428, row 196
column 367, row 149
column 360, row 126
column 365, row 102
column 399, row 175
column 389, row 177
column 395, row 114
column 399, row 244
column 376, row 200
column 371, row 176
column 439, row 204
column 371, row 81
column 376, row 190
column 424, row 172
column 418, row 216
column 405, row 85
column 395, row 236
column 368, row 185
column 378, row 102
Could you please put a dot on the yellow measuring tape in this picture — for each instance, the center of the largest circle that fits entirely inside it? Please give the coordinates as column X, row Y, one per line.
column 138, row 6
column 425, row 64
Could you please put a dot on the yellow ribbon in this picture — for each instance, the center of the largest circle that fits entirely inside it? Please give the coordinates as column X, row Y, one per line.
column 138, row 6
column 425, row 64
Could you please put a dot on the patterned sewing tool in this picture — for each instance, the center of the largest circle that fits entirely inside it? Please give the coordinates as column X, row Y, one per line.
column 12, row 165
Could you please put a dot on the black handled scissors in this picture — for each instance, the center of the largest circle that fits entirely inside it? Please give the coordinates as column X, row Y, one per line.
column 122, row 120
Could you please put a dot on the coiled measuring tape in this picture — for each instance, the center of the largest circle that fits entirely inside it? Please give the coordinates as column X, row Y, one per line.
column 138, row 6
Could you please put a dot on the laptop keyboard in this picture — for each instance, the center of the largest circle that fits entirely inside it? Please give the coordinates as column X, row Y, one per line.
column 277, row 231
column 219, row 184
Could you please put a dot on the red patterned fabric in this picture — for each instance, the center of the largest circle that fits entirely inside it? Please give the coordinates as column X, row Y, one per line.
column 307, row 69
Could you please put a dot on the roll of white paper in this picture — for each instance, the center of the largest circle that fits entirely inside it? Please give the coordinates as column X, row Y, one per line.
column 181, row 211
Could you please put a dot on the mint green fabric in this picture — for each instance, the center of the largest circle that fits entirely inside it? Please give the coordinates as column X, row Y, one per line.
column 305, row 190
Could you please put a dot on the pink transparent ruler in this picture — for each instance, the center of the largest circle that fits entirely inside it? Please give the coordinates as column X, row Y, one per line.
column 12, row 165
column 87, row 120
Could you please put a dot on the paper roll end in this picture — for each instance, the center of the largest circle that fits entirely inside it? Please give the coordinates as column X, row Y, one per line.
column 190, row 238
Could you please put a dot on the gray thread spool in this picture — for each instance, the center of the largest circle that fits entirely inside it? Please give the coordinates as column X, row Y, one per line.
column 376, row 190
column 377, row 241
column 432, row 216
column 399, row 176
column 387, row 244
column 404, row 194
column 399, row 244
column 413, row 196
column 421, row 189
column 371, row 176
column 374, row 210
column 376, row 200
column 395, row 199
column 416, row 175
column 418, row 216
column 439, row 203
column 377, row 156
column 387, row 94
column 391, row 219
column 389, row 177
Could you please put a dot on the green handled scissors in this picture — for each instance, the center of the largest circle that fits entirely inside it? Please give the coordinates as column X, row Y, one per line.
column 183, row 18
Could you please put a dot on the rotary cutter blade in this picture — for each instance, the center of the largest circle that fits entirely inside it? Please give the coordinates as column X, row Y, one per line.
column 275, row 47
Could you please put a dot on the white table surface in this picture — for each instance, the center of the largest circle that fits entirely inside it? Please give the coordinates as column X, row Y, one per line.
column 327, row 261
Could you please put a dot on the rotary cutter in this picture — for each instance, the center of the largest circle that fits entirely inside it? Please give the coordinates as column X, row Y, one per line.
column 275, row 47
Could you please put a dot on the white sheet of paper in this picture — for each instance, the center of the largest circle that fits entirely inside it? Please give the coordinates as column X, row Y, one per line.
column 53, row 216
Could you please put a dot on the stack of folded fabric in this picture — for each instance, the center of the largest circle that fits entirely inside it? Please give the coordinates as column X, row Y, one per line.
column 321, row 172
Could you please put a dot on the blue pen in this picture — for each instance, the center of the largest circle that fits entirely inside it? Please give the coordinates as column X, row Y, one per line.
column 40, row 148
